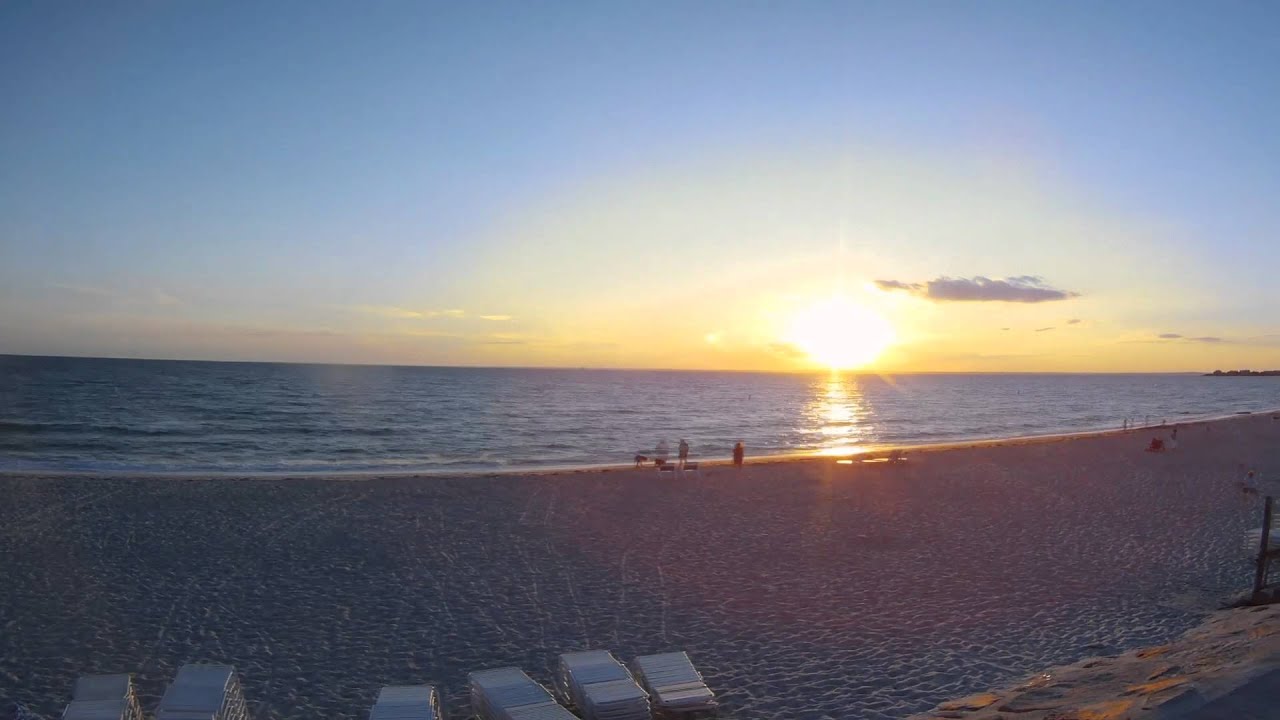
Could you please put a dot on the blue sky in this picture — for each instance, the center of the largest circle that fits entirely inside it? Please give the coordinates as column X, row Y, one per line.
column 362, row 183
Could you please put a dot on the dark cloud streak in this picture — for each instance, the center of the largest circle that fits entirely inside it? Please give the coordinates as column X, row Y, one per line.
column 1019, row 289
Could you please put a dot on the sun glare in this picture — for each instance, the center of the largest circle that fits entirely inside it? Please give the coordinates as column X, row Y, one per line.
column 840, row 334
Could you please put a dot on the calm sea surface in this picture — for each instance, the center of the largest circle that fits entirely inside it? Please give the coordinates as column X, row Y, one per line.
column 156, row 415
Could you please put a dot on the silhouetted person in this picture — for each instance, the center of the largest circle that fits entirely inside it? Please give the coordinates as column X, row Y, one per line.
column 738, row 452
column 683, row 452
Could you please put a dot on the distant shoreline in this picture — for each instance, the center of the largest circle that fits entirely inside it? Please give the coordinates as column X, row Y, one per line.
column 1243, row 373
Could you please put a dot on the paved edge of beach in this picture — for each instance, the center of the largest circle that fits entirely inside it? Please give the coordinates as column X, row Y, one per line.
column 1227, row 667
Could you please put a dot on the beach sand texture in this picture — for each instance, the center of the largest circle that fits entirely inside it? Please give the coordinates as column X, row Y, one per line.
column 801, row 589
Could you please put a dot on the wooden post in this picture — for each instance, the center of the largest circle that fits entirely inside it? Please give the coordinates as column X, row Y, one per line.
column 1260, row 578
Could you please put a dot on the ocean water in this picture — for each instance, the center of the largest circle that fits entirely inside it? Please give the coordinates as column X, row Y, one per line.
column 177, row 416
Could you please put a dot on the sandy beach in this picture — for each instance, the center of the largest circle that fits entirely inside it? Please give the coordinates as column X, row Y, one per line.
column 802, row 589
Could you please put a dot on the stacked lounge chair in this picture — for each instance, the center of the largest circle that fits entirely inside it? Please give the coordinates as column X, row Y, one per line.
column 203, row 692
column 1253, row 540
column 600, row 688
column 407, row 702
column 103, row 697
column 509, row 694
column 675, row 686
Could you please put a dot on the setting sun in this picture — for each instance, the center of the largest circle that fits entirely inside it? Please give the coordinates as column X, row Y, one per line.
column 840, row 334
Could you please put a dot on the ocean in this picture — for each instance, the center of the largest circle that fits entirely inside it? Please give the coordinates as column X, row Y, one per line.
column 110, row 415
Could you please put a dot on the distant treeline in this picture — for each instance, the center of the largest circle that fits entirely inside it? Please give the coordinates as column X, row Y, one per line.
column 1238, row 373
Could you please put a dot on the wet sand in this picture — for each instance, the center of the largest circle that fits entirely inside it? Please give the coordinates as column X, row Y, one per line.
column 802, row 589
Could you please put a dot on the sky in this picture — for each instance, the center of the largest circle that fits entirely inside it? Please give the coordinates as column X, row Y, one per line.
column 906, row 186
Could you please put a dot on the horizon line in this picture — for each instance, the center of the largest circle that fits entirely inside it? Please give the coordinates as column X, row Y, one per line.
column 814, row 371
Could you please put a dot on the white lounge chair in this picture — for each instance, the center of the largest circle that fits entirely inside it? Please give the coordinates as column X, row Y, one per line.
column 509, row 694
column 690, row 467
column 1253, row 540
column 103, row 697
column 666, row 469
column 676, row 688
column 600, row 688
column 203, row 692
column 407, row 702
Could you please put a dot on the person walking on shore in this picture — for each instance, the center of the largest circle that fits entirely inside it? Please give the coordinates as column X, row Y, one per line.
column 683, row 452
column 738, row 452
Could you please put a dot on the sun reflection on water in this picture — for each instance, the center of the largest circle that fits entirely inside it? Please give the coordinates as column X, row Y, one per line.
column 838, row 416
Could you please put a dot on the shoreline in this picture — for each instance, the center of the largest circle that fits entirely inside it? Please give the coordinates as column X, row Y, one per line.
column 867, row 452
column 801, row 588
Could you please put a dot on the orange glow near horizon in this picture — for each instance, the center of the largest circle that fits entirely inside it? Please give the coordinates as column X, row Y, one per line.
column 840, row 334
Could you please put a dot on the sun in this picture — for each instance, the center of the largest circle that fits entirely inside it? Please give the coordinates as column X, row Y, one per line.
column 840, row 334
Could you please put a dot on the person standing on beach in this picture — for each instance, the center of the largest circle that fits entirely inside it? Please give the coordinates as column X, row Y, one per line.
column 683, row 452
column 738, row 452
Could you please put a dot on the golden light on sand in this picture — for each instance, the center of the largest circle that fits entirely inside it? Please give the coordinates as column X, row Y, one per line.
column 840, row 334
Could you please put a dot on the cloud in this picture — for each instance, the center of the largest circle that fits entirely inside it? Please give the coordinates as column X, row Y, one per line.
column 86, row 291
column 786, row 350
column 1268, row 340
column 504, row 339
column 497, row 318
column 257, row 332
column 899, row 285
column 400, row 313
column 1044, row 329
column 1199, row 339
column 388, row 311
column 1073, row 321
column 1020, row 289
column 162, row 298
column 421, row 333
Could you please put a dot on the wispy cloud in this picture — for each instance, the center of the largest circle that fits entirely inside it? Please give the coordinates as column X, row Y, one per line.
column 133, row 296
column 391, row 311
column 1073, row 321
column 86, row 291
column 388, row 311
column 786, row 350
column 160, row 297
column 505, row 339
column 496, row 318
column 1199, row 339
column 1045, row 329
column 1019, row 289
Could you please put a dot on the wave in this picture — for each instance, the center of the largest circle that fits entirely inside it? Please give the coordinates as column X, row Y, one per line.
column 248, row 418
column 19, row 427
